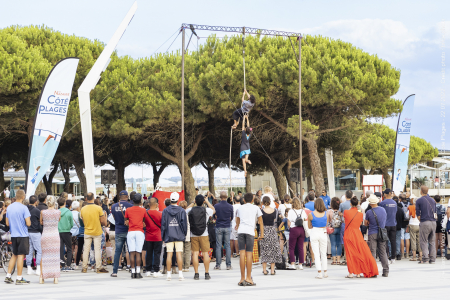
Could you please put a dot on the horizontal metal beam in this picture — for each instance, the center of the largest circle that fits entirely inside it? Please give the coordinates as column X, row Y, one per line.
column 246, row 30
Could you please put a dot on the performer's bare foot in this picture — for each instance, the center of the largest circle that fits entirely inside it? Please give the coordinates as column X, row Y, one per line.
column 249, row 162
column 245, row 173
column 233, row 127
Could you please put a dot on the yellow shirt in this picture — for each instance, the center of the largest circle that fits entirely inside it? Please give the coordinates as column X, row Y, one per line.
column 91, row 214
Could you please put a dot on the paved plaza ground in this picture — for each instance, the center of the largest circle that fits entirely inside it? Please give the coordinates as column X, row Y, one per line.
column 407, row 280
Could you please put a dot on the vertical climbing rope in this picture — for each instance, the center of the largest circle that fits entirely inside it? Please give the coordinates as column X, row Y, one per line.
column 243, row 53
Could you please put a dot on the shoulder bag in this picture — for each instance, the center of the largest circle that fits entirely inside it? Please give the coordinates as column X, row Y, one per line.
column 153, row 220
column 382, row 232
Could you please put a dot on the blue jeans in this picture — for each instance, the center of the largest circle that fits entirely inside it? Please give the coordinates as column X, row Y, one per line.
column 35, row 244
column 223, row 234
column 335, row 239
column 120, row 240
column 398, row 238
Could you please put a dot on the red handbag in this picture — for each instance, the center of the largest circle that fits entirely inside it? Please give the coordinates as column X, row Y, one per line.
column 330, row 230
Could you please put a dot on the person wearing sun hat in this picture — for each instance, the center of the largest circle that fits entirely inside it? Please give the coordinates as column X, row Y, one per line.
column 375, row 219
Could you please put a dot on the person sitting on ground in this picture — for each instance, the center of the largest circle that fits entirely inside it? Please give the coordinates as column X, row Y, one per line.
column 245, row 226
column 247, row 106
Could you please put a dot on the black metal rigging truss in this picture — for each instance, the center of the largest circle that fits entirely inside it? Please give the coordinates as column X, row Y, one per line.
column 245, row 30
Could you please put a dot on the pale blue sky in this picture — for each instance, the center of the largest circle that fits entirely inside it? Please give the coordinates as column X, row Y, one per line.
column 408, row 34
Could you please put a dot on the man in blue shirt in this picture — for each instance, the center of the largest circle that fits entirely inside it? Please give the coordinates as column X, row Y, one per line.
column 326, row 199
column 18, row 218
column 375, row 219
column 425, row 211
column 224, row 213
column 310, row 204
column 391, row 222
column 118, row 212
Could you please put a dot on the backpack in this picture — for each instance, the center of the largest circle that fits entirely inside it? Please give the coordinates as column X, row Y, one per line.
column 197, row 220
column 336, row 220
column 440, row 211
column 299, row 220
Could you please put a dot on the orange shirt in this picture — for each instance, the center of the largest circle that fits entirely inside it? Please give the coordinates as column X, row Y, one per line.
column 412, row 211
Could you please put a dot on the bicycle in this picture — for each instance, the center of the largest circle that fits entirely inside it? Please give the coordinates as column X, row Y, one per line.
column 6, row 252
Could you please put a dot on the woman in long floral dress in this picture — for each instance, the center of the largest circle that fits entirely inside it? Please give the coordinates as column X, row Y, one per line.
column 50, row 242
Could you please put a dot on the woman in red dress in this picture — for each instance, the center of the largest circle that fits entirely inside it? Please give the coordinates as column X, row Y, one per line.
column 359, row 257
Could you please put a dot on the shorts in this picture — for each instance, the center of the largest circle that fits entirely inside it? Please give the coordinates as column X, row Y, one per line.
column 238, row 114
column 439, row 227
column 178, row 246
column 74, row 241
column 405, row 235
column 20, row 245
column 244, row 153
column 307, row 239
column 233, row 235
column 200, row 243
column 246, row 242
column 286, row 234
column 135, row 241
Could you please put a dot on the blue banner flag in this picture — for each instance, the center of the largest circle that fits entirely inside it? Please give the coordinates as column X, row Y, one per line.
column 402, row 145
column 49, row 121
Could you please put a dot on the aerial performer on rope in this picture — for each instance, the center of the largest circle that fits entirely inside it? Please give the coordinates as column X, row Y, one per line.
column 246, row 107
column 245, row 144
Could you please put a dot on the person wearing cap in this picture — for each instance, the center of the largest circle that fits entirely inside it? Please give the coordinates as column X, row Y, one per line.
column 414, row 229
column 375, row 219
column 118, row 212
column 391, row 222
column 135, row 217
column 173, row 233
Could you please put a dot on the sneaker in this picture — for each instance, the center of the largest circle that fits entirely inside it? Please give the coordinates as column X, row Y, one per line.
column 69, row 269
column 385, row 274
column 291, row 267
column 75, row 267
column 300, row 267
column 393, row 261
column 148, row 274
column 399, row 257
column 431, row 262
column 22, row 281
column 207, row 277
column 157, row 274
column 102, row 270
column 196, row 276
column 185, row 270
column 138, row 275
column 169, row 277
column 63, row 269
column 144, row 270
column 84, row 270
column 128, row 268
column 133, row 275
column 217, row 268
column 120, row 268
column 319, row 276
column 9, row 280
column 229, row 268
column 180, row 277
column 113, row 274
column 30, row 271
column 325, row 274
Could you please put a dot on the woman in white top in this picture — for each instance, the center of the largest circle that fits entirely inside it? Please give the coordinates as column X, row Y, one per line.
column 414, row 229
column 285, row 203
column 296, row 216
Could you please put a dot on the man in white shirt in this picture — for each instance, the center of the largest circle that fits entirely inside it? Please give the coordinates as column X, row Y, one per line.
column 246, row 216
column 268, row 193
column 6, row 193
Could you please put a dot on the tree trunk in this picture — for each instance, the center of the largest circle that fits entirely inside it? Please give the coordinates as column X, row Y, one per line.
column 308, row 184
column 189, row 183
column 79, row 169
column 387, row 178
column 48, row 182
column 65, row 170
column 157, row 172
column 292, row 184
column 211, row 169
column 248, row 183
column 280, row 182
column 314, row 161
